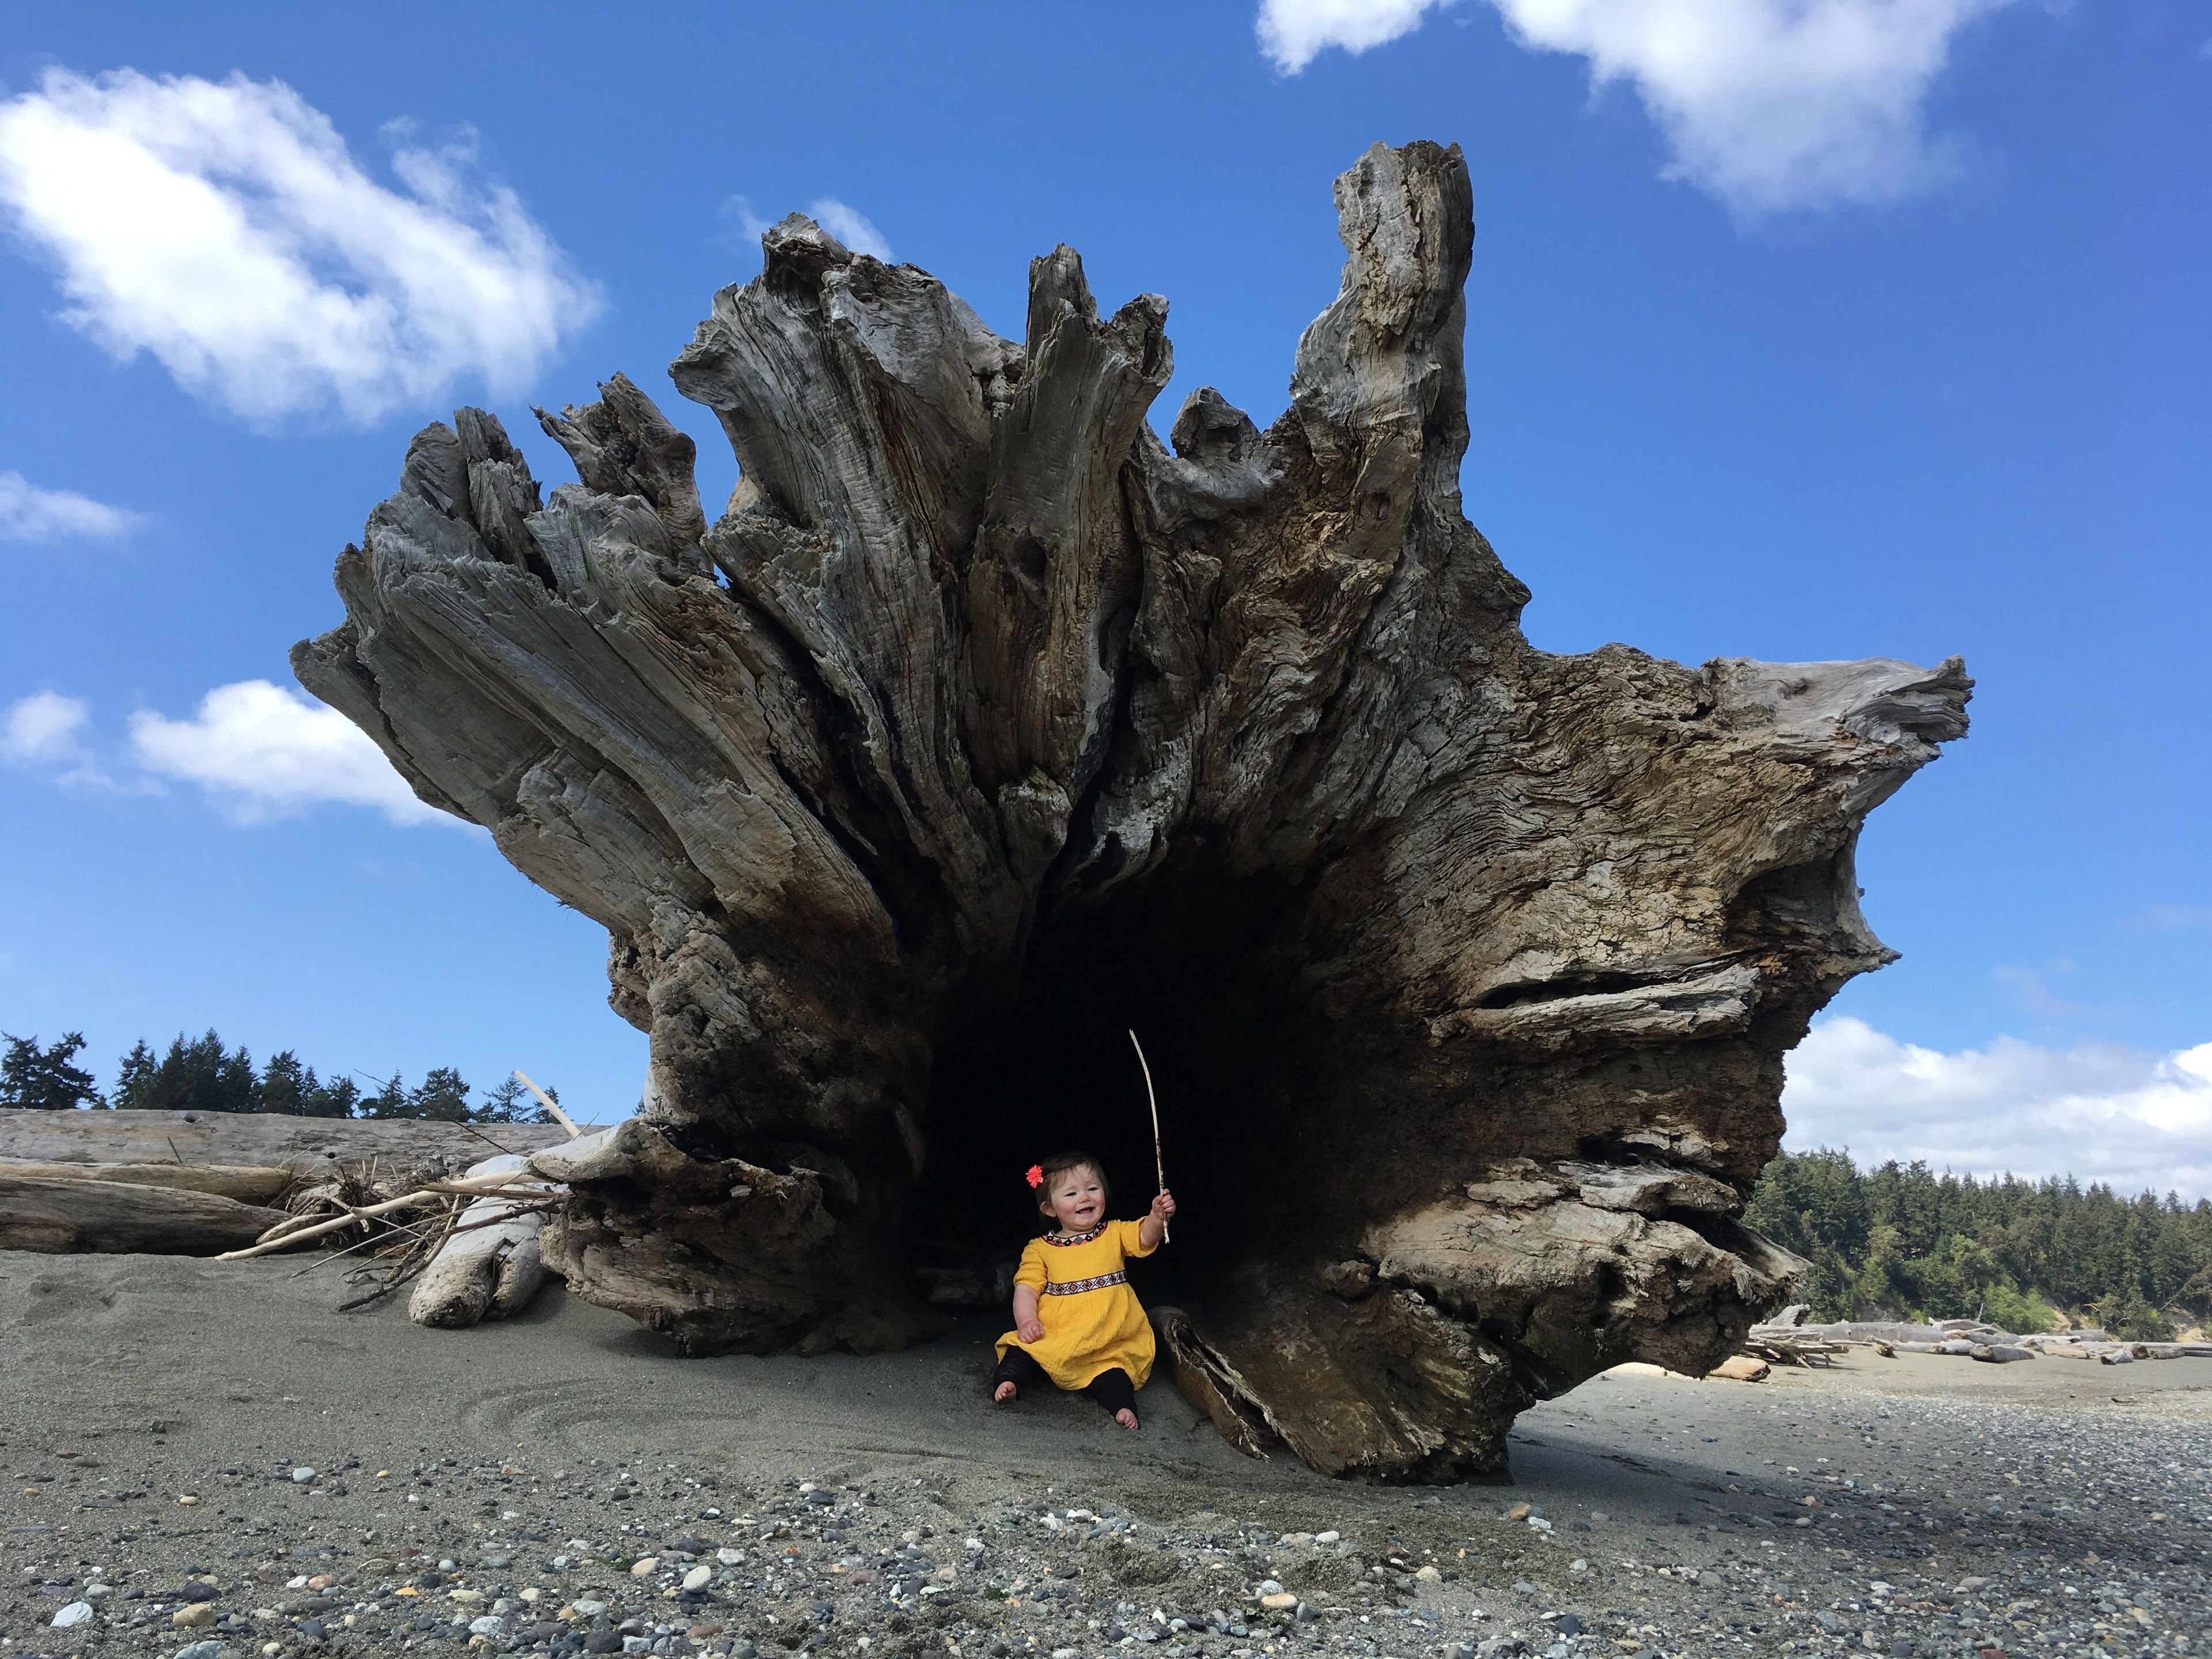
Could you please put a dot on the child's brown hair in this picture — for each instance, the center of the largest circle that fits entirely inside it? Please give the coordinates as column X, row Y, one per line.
column 1058, row 1164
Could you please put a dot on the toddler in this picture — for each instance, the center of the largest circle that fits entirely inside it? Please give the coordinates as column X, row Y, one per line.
column 1076, row 1323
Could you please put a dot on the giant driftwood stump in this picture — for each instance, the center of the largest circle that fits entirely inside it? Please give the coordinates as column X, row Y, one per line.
column 983, row 724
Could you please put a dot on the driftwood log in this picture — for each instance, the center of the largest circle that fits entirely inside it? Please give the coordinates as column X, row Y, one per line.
column 108, row 1217
column 307, row 1147
column 246, row 1182
column 984, row 724
column 492, row 1266
column 204, row 1184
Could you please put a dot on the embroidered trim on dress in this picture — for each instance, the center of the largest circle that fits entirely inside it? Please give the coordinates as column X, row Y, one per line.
column 1079, row 1238
column 1077, row 1287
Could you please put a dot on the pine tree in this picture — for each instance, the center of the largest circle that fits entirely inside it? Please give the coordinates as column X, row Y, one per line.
column 286, row 1085
column 390, row 1100
column 134, row 1079
column 42, row 1079
column 339, row 1097
column 203, row 1076
column 443, row 1097
column 510, row 1102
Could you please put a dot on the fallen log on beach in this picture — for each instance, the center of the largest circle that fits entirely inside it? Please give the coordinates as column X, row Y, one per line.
column 111, row 1217
column 305, row 1145
column 231, row 1184
column 247, row 1183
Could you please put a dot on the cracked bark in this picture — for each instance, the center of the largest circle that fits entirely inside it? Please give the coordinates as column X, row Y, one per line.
column 981, row 723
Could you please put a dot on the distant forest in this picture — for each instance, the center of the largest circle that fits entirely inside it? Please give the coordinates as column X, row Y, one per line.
column 199, row 1074
column 1901, row 1239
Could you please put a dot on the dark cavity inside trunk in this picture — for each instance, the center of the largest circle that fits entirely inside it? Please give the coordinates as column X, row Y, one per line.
column 1041, row 1063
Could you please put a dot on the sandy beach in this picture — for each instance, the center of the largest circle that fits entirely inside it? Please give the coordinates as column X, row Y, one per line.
column 206, row 1453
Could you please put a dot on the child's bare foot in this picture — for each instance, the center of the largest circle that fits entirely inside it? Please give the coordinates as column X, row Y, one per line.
column 1004, row 1392
column 1126, row 1418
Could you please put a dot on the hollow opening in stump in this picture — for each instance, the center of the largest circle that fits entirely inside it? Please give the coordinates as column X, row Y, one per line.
column 1041, row 1062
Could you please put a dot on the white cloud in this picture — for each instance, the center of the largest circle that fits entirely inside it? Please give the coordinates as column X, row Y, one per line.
column 2101, row 1112
column 849, row 227
column 263, row 752
column 43, row 728
column 1293, row 33
column 847, row 224
column 29, row 514
column 226, row 230
column 1769, row 105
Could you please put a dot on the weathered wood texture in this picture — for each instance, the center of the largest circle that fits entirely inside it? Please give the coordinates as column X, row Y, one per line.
column 490, row 1269
column 247, row 1183
column 1468, row 968
column 304, row 1146
column 108, row 1216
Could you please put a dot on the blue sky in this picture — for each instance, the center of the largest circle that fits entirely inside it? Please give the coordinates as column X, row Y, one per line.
column 1892, row 342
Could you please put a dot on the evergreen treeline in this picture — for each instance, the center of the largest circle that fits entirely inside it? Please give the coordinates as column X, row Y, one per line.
column 199, row 1074
column 1899, row 1242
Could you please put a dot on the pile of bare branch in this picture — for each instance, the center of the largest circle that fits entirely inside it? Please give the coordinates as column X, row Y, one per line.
column 403, row 1219
column 1784, row 1346
column 401, row 1223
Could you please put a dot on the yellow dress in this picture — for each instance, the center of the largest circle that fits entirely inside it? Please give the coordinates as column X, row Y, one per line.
column 1092, row 1320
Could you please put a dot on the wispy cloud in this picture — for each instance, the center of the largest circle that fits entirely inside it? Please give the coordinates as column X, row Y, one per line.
column 2181, row 915
column 225, row 229
column 847, row 224
column 263, row 752
column 1768, row 105
column 29, row 514
column 43, row 727
column 2099, row 1111
column 47, row 729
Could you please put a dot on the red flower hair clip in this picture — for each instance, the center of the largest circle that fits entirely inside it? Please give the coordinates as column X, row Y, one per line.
column 1034, row 1175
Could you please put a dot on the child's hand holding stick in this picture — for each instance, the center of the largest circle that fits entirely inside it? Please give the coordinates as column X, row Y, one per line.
column 1154, row 1227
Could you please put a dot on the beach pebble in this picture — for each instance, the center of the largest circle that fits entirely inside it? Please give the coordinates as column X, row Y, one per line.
column 214, row 1650
column 729, row 1558
column 698, row 1577
column 1330, row 1537
column 1269, row 1587
column 645, row 1566
column 490, row 1625
column 302, row 1475
column 196, row 1616
column 76, row 1613
column 1279, row 1602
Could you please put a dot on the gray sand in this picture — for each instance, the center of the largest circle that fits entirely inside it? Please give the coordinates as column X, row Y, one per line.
column 2080, row 1494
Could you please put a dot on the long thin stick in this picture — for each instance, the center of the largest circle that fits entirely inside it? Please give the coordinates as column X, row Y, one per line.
column 1159, row 1163
column 550, row 1105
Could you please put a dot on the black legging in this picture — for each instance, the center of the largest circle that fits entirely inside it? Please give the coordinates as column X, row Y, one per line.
column 1113, row 1389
